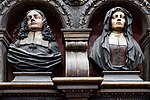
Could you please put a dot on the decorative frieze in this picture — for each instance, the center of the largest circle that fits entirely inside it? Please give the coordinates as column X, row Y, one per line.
column 75, row 2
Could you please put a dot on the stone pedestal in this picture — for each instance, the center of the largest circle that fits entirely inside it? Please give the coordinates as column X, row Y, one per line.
column 122, row 76
column 33, row 77
column 76, row 43
column 77, row 88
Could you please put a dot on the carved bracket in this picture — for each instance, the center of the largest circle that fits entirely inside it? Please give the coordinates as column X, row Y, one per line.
column 76, row 43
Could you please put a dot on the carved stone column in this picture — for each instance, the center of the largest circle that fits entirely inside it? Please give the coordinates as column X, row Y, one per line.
column 76, row 43
column 145, row 41
column 3, row 52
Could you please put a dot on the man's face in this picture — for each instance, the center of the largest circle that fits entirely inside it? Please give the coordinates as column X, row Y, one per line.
column 118, row 20
column 34, row 21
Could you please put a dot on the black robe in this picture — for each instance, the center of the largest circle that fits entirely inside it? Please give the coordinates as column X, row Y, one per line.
column 29, row 57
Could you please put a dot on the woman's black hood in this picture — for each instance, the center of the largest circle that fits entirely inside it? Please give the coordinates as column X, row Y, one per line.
column 108, row 16
column 100, row 52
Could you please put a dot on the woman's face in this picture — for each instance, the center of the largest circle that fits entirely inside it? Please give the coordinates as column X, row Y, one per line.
column 34, row 21
column 118, row 21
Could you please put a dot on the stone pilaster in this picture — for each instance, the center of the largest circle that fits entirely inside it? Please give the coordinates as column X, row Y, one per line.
column 3, row 54
column 76, row 58
column 145, row 41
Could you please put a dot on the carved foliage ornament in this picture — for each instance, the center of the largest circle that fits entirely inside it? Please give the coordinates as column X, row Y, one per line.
column 146, row 3
column 75, row 2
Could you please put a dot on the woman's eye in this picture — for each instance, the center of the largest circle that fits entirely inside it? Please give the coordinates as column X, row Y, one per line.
column 116, row 16
column 122, row 16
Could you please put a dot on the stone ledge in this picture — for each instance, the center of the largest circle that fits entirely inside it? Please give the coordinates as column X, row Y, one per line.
column 32, row 77
column 19, row 84
column 77, row 80
column 127, row 85
column 122, row 76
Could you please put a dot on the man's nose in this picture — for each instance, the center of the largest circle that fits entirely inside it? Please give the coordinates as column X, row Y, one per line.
column 32, row 19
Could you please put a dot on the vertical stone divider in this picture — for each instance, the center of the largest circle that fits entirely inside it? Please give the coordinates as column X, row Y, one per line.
column 3, row 54
column 145, row 43
column 76, row 57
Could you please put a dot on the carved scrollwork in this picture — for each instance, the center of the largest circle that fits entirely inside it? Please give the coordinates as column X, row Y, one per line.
column 76, row 45
column 75, row 2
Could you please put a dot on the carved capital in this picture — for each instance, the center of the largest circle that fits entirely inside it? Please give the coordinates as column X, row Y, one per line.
column 76, row 34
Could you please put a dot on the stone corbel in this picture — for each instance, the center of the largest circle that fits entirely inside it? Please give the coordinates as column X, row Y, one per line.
column 76, row 43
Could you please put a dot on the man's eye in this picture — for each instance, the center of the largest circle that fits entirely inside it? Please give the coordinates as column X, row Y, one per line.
column 29, row 17
column 35, row 17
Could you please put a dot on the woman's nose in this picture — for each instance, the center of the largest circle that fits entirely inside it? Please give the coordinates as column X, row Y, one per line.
column 118, row 19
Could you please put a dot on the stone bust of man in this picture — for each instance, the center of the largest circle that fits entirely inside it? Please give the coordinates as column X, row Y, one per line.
column 116, row 49
column 35, row 48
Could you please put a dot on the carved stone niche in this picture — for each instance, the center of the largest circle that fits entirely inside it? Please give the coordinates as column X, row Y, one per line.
column 76, row 43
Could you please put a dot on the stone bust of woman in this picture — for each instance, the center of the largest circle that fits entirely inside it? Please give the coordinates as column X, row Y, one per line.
column 35, row 48
column 116, row 49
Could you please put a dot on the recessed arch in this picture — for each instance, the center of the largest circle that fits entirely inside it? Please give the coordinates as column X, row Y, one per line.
column 140, row 19
column 13, row 16
column 95, row 21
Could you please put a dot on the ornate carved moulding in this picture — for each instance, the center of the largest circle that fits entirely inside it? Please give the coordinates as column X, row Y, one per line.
column 75, row 2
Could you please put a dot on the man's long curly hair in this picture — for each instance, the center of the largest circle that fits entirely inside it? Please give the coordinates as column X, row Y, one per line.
column 46, row 31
